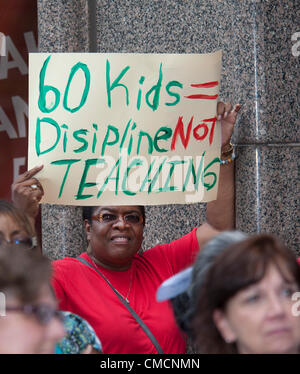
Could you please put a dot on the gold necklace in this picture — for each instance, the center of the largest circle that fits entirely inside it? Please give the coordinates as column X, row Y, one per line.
column 125, row 298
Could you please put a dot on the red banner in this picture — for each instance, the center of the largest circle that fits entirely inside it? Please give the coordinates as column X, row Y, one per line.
column 18, row 24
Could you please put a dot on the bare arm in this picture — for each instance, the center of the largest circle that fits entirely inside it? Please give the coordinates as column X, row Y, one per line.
column 220, row 213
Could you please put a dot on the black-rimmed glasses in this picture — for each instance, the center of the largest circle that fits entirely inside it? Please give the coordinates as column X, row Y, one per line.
column 27, row 242
column 43, row 313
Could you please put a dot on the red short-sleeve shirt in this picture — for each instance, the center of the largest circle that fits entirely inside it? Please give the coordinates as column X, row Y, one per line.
column 79, row 289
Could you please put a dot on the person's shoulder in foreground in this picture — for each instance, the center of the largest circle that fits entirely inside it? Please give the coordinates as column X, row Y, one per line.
column 80, row 336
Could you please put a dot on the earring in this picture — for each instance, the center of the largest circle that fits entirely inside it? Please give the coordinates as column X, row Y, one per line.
column 89, row 249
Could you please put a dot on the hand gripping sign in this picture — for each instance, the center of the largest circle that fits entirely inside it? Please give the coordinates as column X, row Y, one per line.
column 127, row 129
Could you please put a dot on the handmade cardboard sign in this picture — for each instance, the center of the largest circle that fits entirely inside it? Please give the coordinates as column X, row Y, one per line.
column 125, row 129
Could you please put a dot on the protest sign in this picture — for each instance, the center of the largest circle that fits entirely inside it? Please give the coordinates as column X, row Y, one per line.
column 125, row 129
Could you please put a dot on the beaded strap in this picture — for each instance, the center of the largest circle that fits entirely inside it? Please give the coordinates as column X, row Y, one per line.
column 229, row 155
column 229, row 159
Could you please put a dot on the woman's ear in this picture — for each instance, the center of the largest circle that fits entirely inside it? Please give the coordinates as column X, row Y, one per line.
column 88, row 229
column 223, row 325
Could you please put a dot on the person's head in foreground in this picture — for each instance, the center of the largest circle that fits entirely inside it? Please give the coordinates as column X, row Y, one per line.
column 182, row 289
column 15, row 227
column 29, row 320
column 245, row 304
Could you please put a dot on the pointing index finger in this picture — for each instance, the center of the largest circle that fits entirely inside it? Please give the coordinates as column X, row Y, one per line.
column 29, row 174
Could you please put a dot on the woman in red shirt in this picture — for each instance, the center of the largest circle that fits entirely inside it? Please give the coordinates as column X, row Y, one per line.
column 115, row 235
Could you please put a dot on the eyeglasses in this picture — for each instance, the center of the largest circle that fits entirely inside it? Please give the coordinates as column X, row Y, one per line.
column 27, row 242
column 43, row 313
column 111, row 218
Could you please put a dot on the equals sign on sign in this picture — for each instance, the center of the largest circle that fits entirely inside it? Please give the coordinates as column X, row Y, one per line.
column 204, row 96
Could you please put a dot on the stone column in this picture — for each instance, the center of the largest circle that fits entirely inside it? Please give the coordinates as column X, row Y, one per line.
column 259, row 71
column 267, row 72
column 63, row 26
